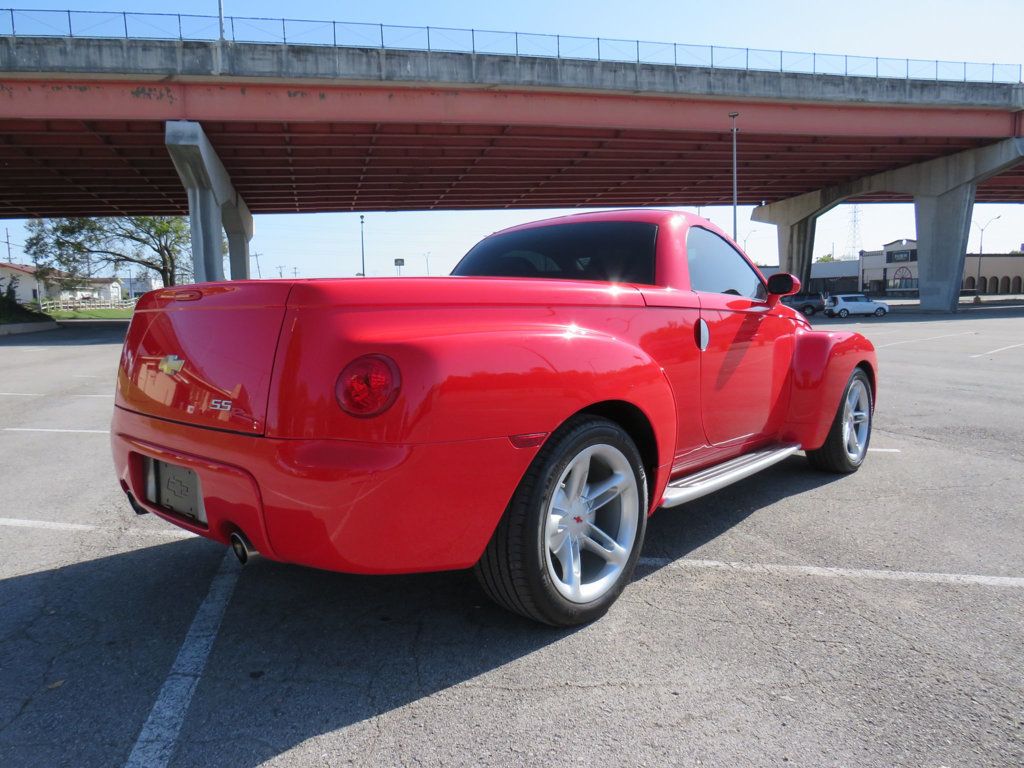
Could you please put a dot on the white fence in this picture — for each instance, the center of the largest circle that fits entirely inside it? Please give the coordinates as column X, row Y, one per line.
column 75, row 305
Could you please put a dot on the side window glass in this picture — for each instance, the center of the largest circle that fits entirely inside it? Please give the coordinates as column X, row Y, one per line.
column 717, row 267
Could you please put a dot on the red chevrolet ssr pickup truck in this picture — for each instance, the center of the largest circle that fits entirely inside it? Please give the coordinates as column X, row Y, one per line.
column 522, row 417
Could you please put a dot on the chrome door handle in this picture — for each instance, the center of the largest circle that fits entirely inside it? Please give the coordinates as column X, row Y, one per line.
column 702, row 334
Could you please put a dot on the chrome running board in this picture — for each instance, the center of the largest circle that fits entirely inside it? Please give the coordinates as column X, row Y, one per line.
column 728, row 472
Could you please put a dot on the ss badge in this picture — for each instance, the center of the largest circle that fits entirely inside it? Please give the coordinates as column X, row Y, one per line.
column 220, row 405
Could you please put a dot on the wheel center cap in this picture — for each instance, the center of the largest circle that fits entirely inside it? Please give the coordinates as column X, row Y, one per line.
column 577, row 517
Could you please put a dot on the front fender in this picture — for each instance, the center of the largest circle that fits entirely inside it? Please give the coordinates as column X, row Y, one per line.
column 822, row 365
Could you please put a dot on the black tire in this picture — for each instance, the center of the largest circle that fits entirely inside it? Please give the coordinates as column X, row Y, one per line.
column 880, row 312
column 844, row 313
column 808, row 310
column 833, row 456
column 513, row 569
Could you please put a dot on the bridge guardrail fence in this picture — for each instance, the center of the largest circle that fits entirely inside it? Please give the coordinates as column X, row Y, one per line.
column 17, row 22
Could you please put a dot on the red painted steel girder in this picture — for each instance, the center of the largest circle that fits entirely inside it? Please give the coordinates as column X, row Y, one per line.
column 97, row 148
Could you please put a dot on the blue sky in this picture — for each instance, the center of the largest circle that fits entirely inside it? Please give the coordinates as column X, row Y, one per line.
column 328, row 244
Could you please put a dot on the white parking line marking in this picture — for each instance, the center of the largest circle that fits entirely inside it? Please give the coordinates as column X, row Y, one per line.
column 1001, row 349
column 33, row 394
column 842, row 573
column 883, row 450
column 16, row 522
column 155, row 746
column 40, row 429
column 19, row 523
column 927, row 338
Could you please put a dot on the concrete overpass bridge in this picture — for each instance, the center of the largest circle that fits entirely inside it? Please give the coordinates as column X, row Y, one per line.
column 219, row 130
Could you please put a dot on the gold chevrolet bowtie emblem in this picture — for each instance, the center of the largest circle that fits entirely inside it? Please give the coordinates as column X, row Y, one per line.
column 171, row 364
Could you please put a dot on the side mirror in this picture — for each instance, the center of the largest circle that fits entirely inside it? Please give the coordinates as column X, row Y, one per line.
column 781, row 284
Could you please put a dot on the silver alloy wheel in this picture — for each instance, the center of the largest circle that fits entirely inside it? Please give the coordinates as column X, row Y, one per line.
column 856, row 421
column 591, row 523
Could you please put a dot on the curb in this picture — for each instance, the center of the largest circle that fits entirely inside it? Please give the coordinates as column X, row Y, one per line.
column 11, row 329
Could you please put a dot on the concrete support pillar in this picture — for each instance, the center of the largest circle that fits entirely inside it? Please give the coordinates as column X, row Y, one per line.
column 238, row 227
column 205, row 221
column 215, row 208
column 943, row 226
column 943, row 190
column 796, row 248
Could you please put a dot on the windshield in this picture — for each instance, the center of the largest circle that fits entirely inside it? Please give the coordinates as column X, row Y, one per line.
column 613, row 251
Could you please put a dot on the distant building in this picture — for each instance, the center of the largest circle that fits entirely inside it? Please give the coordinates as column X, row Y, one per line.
column 134, row 287
column 829, row 277
column 892, row 271
column 27, row 288
column 94, row 289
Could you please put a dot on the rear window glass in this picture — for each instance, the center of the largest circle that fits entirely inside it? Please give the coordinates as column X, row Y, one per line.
column 613, row 251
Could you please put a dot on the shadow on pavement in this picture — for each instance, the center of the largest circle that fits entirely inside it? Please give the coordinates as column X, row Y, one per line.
column 675, row 533
column 300, row 653
column 72, row 333
column 84, row 648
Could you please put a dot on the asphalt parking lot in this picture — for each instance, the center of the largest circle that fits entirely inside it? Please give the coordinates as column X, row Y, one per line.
column 796, row 617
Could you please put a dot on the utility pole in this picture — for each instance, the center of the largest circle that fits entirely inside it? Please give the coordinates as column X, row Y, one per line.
column 735, row 184
column 295, row 271
column 280, row 270
column 258, row 273
column 220, row 9
column 362, row 245
column 426, row 257
column 9, row 259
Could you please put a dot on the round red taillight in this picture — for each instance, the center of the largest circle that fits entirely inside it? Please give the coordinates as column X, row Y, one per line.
column 368, row 385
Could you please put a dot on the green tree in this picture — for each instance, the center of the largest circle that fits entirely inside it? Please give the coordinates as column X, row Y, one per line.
column 826, row 258
column 66, row 250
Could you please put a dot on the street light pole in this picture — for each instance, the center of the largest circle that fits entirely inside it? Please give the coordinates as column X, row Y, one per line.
column 362, row 245
column 747, row 237
column 981, row 252
column 735, row 184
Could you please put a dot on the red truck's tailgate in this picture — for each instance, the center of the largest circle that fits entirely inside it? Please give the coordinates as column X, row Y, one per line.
column 203, row 354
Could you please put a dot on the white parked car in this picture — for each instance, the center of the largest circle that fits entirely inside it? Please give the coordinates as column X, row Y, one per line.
column 846, row 304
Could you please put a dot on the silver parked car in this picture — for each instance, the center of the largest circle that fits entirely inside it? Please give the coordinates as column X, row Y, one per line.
column 846, row 304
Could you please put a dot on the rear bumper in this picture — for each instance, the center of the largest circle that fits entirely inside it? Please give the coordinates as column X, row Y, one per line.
column 333, row 504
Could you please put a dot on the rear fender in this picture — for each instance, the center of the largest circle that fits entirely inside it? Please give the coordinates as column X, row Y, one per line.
column 458, row 386
column 822, row 365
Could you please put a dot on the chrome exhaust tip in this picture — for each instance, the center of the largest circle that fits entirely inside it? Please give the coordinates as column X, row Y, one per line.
column 241, row 547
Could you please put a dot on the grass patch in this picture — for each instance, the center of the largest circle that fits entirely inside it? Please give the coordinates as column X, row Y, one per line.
column 92, row 314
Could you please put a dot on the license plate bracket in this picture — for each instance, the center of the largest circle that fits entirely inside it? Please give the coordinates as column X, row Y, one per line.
column 175, row 489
